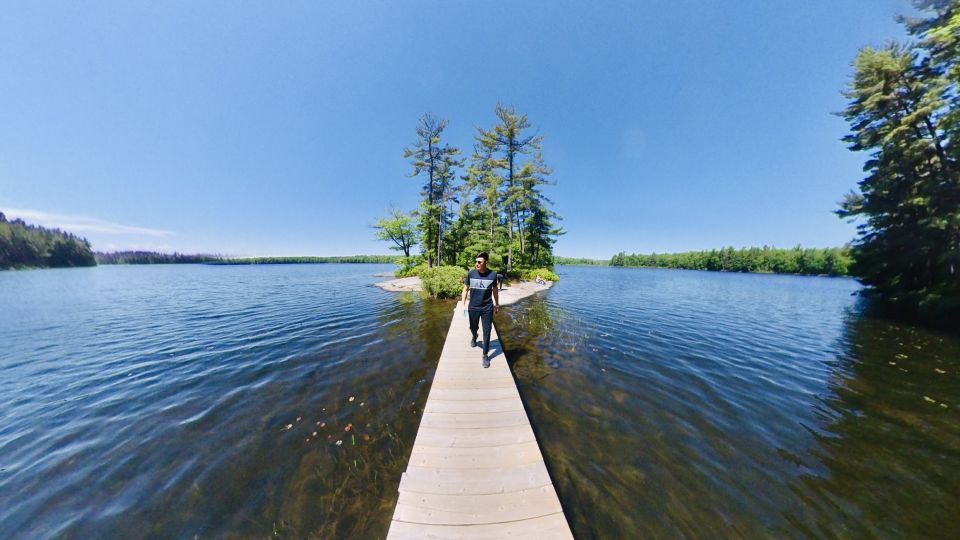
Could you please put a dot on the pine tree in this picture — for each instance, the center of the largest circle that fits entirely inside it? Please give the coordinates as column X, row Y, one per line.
column 483, row 179
column 498, row 208
column 435, row 161
column 506, row 143
column 899, row 104
column 537, row 229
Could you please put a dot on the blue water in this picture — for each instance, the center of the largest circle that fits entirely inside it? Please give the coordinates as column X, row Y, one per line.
column 676, row 403
column 191, row 400
column 151, row 400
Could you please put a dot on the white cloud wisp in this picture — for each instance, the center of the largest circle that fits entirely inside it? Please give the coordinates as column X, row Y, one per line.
column 80, row 224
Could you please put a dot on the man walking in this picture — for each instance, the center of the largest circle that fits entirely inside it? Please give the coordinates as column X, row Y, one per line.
column 481, row 282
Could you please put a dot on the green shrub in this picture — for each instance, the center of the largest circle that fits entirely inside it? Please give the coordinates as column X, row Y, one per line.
column 443, row 281
column 513, row 275
column 408, row 271
column 532, row 273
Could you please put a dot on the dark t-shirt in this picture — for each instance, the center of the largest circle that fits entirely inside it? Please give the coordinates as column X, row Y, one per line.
column 481, row 289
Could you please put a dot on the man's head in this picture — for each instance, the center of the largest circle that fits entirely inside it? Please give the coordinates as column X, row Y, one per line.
column 481, row 260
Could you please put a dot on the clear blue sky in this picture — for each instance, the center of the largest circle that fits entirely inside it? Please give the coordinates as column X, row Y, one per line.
column 277, row 128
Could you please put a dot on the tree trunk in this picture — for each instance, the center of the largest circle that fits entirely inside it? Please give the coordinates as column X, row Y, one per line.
column 944, row 164
column 430, row 170
column 439, row 232
column 510, row 240
column 510, row 151
column 491, row 226
column 520, row 229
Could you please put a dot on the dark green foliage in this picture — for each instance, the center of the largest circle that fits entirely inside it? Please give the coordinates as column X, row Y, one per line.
column 443, row 281
column 410, row 271
column 436, row 164
column 400, row 229
column 32, row 246
column 903, row 111
column 499, row 207
column 510, row 191
column 826, row 261
column 531, row 274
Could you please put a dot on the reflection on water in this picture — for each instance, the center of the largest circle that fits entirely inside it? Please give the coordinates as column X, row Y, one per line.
column 887, row 462
column 218, row 402
column 687, row 404
column 283, row 401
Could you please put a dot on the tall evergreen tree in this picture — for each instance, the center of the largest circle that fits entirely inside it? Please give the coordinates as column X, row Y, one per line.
column 939, row 37
column 542, row 235
column 499, row 207
column 445, row 196
column 537, row 230
column 467, row 231
column 435, row 162
column 509, row 141
column 483, row 179
column 903, row 111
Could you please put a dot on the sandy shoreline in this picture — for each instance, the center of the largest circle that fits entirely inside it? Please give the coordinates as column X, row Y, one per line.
column 508, row 295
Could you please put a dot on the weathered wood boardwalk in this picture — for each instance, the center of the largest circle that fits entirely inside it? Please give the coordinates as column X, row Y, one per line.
column 476, row 470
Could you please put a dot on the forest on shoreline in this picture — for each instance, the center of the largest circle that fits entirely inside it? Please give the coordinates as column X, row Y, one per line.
column 797, row 260
column 31, row 246
column 150, row 257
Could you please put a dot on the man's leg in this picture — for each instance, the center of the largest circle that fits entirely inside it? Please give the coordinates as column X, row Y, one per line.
column 474, row 323
column 487, row 317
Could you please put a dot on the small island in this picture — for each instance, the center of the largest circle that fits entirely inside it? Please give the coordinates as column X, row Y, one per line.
column 511, row 293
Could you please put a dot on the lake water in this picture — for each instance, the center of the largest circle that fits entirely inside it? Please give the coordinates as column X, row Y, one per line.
column 283, row 401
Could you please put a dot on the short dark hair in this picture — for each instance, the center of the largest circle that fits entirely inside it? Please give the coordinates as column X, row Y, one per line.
column 486, row 258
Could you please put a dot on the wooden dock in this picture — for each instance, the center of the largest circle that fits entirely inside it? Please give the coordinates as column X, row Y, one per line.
column 476, row 470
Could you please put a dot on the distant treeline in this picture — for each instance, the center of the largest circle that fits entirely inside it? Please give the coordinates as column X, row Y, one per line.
column 152, row 257
column 32, row 246
column 798, row 260
column 580, row 261
column 384, row 259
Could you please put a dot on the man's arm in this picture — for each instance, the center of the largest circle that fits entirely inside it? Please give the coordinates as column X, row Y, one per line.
column 496, row 298
column 463, row 295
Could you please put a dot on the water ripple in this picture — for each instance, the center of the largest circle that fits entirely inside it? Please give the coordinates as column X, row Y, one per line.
column 130, row 389
column 174, row 401
column 720, row 405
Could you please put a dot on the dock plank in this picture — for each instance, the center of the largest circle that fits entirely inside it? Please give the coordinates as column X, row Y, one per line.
column 473, row 438
column 473, row 394
column 552, row 527
column 477, row 509
column 484, row 457
column 439, row 480
column 476, row 469
column 508, row 404
column 473, row 420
